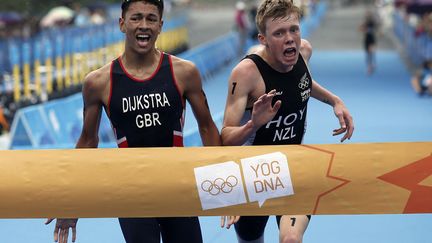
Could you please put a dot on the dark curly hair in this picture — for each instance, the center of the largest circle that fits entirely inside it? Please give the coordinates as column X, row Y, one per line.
column 158, row 3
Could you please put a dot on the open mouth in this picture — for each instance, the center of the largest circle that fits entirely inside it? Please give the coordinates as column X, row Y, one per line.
column 143, row 38
column 290, row 52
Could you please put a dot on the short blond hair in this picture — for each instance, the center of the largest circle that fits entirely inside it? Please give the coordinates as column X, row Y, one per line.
column 274, row 9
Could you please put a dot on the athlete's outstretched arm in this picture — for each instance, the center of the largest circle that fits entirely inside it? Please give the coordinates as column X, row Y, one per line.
column 340, row 110
column 320, row 93
column 88, row 139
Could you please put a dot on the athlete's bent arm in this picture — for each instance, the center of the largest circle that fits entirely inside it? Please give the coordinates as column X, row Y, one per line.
column 189, row 78
column 242, row 84
column 340, row 110
column 237, row 98
column 87, row 139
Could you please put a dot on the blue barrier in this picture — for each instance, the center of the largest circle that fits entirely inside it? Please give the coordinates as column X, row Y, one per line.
column 311, row 21
column 57, row 124
column 211, row 56
column 418, row 48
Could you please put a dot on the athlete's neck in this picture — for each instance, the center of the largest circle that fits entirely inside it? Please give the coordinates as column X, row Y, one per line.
column 140, row 64
column 271, row 60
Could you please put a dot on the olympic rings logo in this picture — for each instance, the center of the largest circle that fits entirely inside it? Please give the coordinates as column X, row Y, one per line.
column 219, row 185
column 304, row 83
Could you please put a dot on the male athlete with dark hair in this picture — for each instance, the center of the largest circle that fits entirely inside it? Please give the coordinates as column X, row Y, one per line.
column 144, row 94
column 267, row 104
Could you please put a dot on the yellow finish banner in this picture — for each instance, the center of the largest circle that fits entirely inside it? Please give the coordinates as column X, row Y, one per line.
column 376, row 178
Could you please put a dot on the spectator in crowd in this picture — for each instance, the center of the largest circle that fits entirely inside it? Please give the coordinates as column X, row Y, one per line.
column 242, row 25
column 82, row 16
column 7, row 109
column 252, row 14
column 97, row 17
column 422, row 80
column 4, row 125
column 424, row 26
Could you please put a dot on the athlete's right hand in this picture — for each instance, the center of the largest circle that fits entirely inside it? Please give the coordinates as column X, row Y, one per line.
column 230, row 220
column 61, row 230
column 263, row 111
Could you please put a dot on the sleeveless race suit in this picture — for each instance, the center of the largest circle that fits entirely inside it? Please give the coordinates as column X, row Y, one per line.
column 293, row 89
column 149, row 113
column 287, row 127
column 146, row 113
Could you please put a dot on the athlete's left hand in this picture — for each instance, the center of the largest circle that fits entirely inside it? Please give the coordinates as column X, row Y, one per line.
column 230, row 220
column 345, row 120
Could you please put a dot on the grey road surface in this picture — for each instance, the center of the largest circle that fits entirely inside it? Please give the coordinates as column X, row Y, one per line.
column 339, row 29
column 208, row 22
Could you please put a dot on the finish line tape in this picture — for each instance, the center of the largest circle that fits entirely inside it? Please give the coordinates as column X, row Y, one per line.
column 375, row 178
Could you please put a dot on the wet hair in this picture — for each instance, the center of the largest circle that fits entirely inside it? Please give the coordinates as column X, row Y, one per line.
column 274, row 9
column 126, row 3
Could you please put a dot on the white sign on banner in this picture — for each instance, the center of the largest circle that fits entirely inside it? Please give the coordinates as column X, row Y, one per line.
column 267, row 176
column 220, row 185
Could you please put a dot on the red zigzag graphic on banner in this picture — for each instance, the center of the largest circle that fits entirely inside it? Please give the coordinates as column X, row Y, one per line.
column 410, row 178
column 328, row 175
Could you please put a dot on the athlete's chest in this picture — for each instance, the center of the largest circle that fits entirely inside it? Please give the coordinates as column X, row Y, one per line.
column 289, row 91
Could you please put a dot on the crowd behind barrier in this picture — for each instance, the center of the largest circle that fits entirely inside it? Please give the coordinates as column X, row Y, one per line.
column 57, row 123
column 418, row 47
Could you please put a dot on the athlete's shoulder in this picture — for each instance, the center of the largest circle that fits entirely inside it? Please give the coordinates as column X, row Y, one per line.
column 182, row 64
column 255, row 49
column 99, row 78
column 306, row 49
column 185, row 73
column 246, row 68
